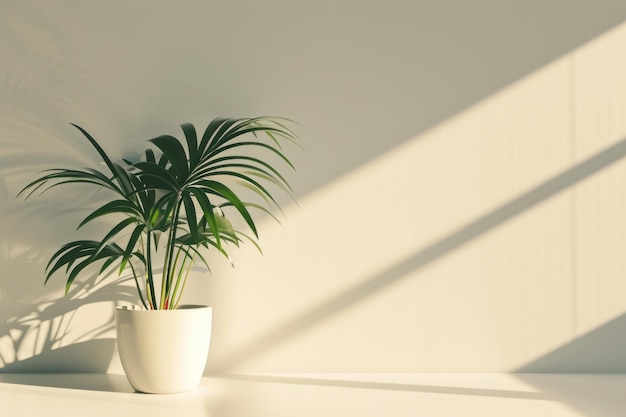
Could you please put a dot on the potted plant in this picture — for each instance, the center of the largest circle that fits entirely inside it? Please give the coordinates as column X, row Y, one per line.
column 169, row 209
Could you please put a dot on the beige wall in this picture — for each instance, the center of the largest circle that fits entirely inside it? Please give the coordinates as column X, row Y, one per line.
column 459, row 200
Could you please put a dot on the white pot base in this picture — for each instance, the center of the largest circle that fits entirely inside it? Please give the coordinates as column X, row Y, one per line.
column 164, row 351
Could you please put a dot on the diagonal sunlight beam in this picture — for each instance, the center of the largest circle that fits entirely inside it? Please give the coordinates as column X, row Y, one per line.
column 432, row 253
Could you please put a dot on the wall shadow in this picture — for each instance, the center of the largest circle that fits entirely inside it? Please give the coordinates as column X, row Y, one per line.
column 597, row 395
column 602, row 350
column 38, row 331
column 42, row 80
column 85, row 381
column 91, row 356
column 399, row 67
column 38, row 336
column 435, row 251
column 458, row 55
column 586, row 373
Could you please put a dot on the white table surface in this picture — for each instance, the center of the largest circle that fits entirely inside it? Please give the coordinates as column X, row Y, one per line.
column 536, row 395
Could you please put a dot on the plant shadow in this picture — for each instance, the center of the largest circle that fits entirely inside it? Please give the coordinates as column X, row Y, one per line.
column 100, row 381
column 41, row 336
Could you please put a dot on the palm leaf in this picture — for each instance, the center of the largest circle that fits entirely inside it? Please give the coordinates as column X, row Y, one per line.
column 113, row 207
column 223, row 191
column 175, row 153
column 115, row 169
column 190, row 210
column 250, row 144
column 207, row 210
column 130, row 246
column 111, row 234
column 156, row 177
column 192, row 144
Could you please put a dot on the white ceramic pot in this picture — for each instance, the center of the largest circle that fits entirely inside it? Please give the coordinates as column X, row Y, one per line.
column 164, row 351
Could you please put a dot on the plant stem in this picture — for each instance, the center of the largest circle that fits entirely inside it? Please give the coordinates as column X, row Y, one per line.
column 178, row 278
column 174, row 269
column 178, row 295
column 149, row 280
column 137, row 284
column 167, row 267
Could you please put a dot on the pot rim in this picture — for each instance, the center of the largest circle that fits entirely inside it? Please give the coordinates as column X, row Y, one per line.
column 136, row 307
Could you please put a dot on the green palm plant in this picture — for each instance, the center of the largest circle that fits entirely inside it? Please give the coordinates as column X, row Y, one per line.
column 181, row 191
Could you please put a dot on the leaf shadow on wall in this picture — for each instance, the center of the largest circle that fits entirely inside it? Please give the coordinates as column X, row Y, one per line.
column 45, row 84
column 396, row 273
column 42, row 81
column 38, row 332
column 42, row 330
column 102, row 382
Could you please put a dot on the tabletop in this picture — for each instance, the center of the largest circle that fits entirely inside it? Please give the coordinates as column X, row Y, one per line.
column 250, row 395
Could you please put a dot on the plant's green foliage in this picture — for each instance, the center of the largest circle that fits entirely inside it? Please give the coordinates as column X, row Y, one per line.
column 179, row 192
column 220, row 190
column 130, row 246
column 192, row 144
column 114, row 207
column 190, row 210
column 175, row 153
